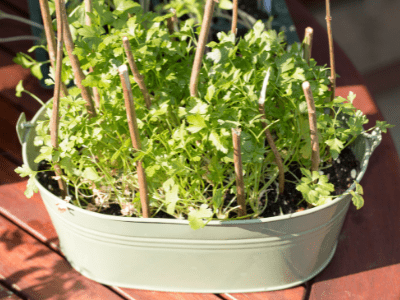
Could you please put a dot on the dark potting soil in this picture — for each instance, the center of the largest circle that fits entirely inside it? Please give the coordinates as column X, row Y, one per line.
column 339, row 174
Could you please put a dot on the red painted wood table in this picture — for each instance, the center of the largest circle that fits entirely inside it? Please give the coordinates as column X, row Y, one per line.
column 367, row 260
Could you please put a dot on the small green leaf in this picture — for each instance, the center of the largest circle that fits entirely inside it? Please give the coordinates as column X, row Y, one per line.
column 19, row 89
column 37, row 72
column 171, row 197
column 91, row 174
column 357, row 199
column 225, row 4
column 31, row 187
column 197, row 123
column 216, row 140
column 197, row 217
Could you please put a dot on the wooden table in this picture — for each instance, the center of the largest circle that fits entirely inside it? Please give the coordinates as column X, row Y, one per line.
column 366, row 264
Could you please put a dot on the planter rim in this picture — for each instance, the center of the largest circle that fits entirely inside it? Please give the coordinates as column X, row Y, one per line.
column 23, row 128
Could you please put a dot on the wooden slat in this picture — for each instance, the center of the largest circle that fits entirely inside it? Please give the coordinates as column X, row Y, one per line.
column 7, row 174
column 15, row 202
column 5, row 293
column 296, row 293
column 41, row 273
column 8, row 138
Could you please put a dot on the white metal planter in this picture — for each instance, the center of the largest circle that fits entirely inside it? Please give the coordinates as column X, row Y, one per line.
column 167, row 255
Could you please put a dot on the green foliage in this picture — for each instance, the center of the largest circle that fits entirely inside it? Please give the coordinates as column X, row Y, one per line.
column 315, row 187
column 187, row 147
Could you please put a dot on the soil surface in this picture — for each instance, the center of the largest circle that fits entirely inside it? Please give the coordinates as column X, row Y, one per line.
column 339, row 174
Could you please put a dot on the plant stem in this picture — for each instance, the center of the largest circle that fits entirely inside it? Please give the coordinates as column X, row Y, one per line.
column 56, row 100
column 88, row 21
column 270, row 140
column 237, row 158
column 75, row 64
column 135, row 71
column 134, row 132
column 331, row 51
column 312, row 118
column 234, row 17
column 307, row 44
column 50, row 38
column 205, row 28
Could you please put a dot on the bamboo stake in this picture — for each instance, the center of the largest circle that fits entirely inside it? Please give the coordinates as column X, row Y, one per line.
column 88, row 21
column 135, row 71
column 307, row 44
column 237, row 158
column 50, row 38
column 234, row 17
column 134, row 132
column 54, row 121
column 270, row 140
column 312, row 118
column 76, row 67
column 172, row 21
column 205, row 28
column 328, row 19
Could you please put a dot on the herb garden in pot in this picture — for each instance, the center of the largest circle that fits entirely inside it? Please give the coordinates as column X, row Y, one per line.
column 168, row 168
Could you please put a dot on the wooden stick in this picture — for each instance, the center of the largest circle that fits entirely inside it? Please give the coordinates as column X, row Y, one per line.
column 172, row 21
column 88, row 21
column 135, row 71
column 134, row 132
column 205, row 28
column 50, row 38
column 331, row 50
column 307, row 44
column 312, row 118
column 54, row 121
column 234, row 17
column 76, row 67
column 270, row 140
column 237, row 158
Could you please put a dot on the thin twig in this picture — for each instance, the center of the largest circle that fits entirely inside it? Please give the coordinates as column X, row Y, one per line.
column 75, row 64
column 234, row 17
column 88, row 21
column 134, row 132
column 237, row 158
column 205, row 28
column 135, row 71
column 307, row 44
column 54, row 121
column 50, row 38
column 270, row 140
column 312, row 118
column 331, row 50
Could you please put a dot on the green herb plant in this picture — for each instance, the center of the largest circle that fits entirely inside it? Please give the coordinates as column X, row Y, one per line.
column 186, row 141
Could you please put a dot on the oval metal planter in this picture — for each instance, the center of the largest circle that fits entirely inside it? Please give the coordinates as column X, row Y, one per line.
column 224, row 257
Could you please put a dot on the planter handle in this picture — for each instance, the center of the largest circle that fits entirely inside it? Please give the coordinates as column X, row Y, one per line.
column 23, row 128
column 375, row 138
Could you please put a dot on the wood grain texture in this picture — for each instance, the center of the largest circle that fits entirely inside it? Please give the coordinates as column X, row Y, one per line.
column 41, row 273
